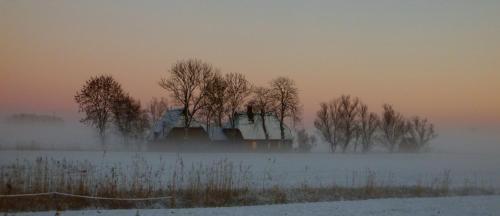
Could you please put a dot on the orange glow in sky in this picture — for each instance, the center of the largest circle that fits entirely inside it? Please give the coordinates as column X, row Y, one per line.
column 438, row 59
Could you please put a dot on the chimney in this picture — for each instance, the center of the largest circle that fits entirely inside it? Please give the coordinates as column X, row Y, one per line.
column 250, row 113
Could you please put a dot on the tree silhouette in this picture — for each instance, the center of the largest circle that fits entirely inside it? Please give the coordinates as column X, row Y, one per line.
column 285, row 93
column 238, row 89
column 348, row 110
column 129, row 118
column 96, row 100
column 328, row 122
column 369, row 123
column 393, row 127
column 187, row 83
column 213, row 108
column 157, row 107
column 263, row 101
column 419, row 133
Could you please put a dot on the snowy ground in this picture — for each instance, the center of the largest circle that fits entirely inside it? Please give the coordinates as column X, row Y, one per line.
column 444, row 206
column 314, row 169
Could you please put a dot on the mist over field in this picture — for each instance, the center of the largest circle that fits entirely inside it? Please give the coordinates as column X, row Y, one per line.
column 68, row 135
column 73, row 135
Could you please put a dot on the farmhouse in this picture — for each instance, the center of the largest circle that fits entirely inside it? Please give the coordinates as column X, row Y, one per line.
column 170, row 128
column 246, row 135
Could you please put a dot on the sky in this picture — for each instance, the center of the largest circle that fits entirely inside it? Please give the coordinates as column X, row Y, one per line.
column 434, row 58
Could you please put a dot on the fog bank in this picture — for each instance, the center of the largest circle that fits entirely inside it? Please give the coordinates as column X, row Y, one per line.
column 73, row 135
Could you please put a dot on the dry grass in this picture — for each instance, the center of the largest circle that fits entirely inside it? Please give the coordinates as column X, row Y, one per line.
column 219, row 183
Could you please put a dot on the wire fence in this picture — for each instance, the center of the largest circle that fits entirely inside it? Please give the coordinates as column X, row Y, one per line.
column 83, row 196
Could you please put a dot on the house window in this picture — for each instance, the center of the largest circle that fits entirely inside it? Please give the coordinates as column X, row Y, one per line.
column 254, row 145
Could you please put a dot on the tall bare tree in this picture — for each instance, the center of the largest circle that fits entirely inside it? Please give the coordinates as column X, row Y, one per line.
column 286, row 94
column 324, row 125
column 263, row 101
column 328, row 122
column 96, row 99
column 368, row 125
column 187, row 83
column 238, row 89
column 348, row 108
column 393, row 127
column 215, row 100
column 129, row 118
column 157, row 107
column 420, row 133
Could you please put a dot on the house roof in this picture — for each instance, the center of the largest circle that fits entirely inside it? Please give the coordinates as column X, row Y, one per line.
column 216, row 133
column 252, row 130
column 172, row 119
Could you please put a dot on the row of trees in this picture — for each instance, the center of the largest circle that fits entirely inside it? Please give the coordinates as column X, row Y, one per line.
column 346, row 122
column 204, row 93
column 106, row 106
column 196, row 86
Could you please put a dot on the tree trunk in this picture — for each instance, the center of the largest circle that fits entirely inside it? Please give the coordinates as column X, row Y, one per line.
column 263, row 117
column 102, row 139
column 282, row 130
column 185, row 113
column 333, row 147
column 219, row 119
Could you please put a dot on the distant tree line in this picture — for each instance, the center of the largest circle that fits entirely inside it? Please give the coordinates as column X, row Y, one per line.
column 30, row 118
column 346, row 123
column 213, row 98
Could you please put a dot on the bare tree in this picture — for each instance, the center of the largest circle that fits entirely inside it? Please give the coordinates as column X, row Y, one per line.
column 215, row 100
column 419, row 133
column 368, row 124
column 328, row 121
column 306, row 142
column 142, row 125
column 393, row 127
column 157, row 107
column 238, row 89
column 187, row 83
column 324, row 124
column 286, row 94
column 96, row 98
column 129, row 117
column 263, row 101
column 348, row 109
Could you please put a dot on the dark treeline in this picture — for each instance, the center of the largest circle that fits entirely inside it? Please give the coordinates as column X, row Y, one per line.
column 200, row 89
column 213, row 98
column 31, row 118
column 346, row 123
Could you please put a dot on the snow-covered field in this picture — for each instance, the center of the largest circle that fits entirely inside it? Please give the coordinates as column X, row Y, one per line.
column 318, row 169
column 444, row 206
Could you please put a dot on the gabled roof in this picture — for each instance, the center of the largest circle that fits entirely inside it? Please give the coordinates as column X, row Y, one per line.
column 252, row 130
column 216, row 133
column 172, row 119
